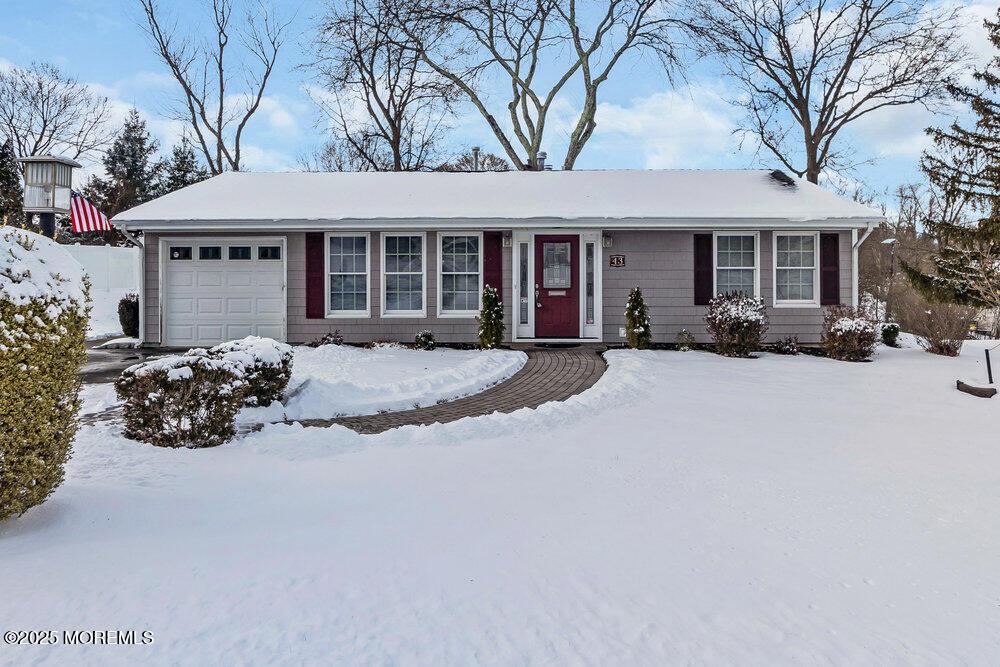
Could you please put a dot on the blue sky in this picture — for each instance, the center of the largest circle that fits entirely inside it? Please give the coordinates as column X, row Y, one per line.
column 643, row 121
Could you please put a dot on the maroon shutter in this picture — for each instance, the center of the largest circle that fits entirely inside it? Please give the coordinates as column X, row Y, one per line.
column 493, row 260
column 829, row 269
column 315, row 285
column 703, row 282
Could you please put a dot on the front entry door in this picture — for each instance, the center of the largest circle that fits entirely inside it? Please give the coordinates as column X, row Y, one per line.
column 557, row 286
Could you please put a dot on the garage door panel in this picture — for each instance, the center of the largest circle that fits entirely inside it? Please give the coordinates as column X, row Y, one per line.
column 180, row 278
column 269, row 331
column 210, row 278
column 274, row 279
column 240, row 278
column 180, row 306
column 207, row 302
column 269, row 306
column 210, row 306
column 240, row 306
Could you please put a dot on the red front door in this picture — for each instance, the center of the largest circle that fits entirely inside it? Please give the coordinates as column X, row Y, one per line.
column 557, row 286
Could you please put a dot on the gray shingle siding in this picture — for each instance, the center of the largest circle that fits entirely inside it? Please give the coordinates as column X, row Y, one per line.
column 661, row 262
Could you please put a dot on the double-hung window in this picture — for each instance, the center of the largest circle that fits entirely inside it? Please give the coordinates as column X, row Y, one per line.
column 347, row 268
column 736, row 263
column 795, row 269
column 461, row 273
column 403, row 274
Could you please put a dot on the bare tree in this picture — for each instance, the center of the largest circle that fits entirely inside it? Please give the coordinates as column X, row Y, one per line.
column 379, row 98
column 809, row 68
column 217, row 116
column 43, row 110
column 338, row 155
column 536, row 47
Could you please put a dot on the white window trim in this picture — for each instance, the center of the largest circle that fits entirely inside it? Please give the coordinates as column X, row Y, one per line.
column 756, row 259
column 794, row 303
column 423, row 270
column 441, row 312
column 347, row 314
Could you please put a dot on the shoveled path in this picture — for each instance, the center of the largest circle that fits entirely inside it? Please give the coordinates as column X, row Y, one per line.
column 550, row 374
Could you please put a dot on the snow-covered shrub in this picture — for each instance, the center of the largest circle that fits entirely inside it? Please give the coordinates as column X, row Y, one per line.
column 737, row 323
column 890, row 334
column 638, row 332
column 128, row 314
column 685, row 340
column 848, row 335
column 265, row 363
column 186, row 400
column 44, row 307
column 424, row 340
column 787, row 345
column 490, row 319
column 335, row 338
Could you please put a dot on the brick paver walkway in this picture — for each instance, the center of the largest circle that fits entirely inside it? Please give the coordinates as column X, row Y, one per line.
column 550, row 374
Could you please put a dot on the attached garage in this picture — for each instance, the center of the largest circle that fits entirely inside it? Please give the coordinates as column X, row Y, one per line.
column 217, row 289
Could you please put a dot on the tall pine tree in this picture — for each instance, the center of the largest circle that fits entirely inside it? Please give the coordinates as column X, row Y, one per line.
column 965, row 170
column 132, row 173
column 181, row 170
column 11, row 195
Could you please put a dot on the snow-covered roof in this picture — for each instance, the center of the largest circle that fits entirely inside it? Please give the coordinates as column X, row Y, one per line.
column 665, row 197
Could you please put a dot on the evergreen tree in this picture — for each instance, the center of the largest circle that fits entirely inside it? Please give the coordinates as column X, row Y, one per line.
column 132, row 174
column 11, row 195
column 181, row 170
column 490, row 319
column 965, row 169
column 638, row 332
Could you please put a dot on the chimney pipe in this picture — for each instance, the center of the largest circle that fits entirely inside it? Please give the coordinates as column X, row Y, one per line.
column 540, row 161
column 475, row 158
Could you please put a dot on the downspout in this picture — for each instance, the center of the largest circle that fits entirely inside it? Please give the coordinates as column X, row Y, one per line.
column 142, row 281
column 869, row 228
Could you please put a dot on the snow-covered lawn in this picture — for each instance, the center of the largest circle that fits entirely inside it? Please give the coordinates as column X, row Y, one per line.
column 686, row 509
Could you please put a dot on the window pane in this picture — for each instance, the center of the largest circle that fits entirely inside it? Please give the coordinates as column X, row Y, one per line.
column 239, row 252
column 403, row 259
column 590, row 283
column 180, row 252
column 210, row 252
column 556, row 269
column 459, row 273
column 523, row 281
column 794, row 275
column 269, row 252
column 348, row 274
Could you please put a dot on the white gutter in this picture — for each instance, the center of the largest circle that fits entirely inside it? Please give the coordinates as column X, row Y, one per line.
column 142, row 280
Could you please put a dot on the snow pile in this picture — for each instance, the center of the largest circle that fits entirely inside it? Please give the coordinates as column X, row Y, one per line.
column 253, row 351
column 34, row 267
column 178, row 366
column 832, row 513
column 338, row 380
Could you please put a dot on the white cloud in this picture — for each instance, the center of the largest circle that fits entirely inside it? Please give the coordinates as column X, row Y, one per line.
column 688, row 127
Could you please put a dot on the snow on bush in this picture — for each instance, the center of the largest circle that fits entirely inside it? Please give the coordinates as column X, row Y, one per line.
column 265, row 363
column 186, row 400
column 128, row 314
column 737, row 323
column 638, row 331
column 787, row 345
column 685, row 340
column 890, row 334
column 490, row 319
column 44, row 308
column 424, row 340
column 848, row 335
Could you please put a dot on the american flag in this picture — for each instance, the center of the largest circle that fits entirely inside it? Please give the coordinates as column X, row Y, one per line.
column 84, row 216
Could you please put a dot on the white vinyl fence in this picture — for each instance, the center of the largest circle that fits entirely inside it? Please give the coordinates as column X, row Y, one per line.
column 109, row 268
column 113, row 273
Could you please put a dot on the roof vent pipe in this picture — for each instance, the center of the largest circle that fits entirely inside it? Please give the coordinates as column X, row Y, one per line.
column 540, row 161
column 475, row 158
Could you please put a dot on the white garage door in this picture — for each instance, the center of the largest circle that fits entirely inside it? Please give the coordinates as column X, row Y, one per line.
column 223, row 289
